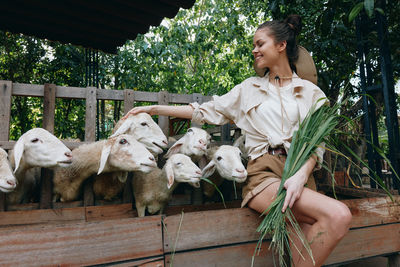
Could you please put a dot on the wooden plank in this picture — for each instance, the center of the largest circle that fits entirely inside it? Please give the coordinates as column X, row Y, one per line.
column 163, row 121
column 37, row 90
column 106, row 94
column 97, row 213
column 90, row 118
column 129, row 100
column 367, row 242
column 222, row 225
column 42, row 216
column 5, row 109
column 7, row 144
column 127, row 193
column 90, row 136
column 46, row 188
column 373, row 211
column 85, row 243
column 148, row 262
column 5, row 112
column 210, row 228
column 353, row 192
column 235, row 255
column 49, row 105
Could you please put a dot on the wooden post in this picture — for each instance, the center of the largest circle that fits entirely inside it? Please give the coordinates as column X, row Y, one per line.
column 129, row 100
column 49, row 105
column 127, row 195
column 226, row 133
column 5, row 112
column 197, row 193
column 163, row 121
column 90, row 136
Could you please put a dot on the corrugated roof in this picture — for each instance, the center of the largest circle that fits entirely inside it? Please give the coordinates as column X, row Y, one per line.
column 102, row 25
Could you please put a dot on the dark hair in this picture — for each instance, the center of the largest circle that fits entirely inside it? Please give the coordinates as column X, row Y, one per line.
column 286, row 30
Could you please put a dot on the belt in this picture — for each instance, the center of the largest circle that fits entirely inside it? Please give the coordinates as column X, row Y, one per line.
column 277, row 151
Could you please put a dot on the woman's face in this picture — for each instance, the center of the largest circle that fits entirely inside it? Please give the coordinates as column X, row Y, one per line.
column 265, row 51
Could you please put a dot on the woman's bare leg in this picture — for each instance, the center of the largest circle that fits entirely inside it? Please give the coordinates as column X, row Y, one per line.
column 329, row 221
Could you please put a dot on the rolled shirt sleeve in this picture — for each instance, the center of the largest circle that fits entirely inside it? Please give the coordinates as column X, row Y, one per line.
column 220, row 110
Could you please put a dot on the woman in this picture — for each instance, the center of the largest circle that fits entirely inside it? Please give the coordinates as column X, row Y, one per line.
column 268, row 109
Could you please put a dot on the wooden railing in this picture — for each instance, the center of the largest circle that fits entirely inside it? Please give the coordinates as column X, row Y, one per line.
column 50, row 92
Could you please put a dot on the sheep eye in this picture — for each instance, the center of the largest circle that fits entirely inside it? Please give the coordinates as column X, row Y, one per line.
column 123, row 141
column 178, row 164
column 219, row 158
column 35, row 140
column 143, row 124
column 190, row 130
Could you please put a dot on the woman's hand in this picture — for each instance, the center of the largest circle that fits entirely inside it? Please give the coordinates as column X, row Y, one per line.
column 294, row 187
column 136, row 110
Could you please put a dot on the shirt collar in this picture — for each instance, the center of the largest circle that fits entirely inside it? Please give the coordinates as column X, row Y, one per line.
column 263, row 84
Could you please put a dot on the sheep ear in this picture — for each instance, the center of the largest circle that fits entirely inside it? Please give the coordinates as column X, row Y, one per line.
column 105, row 152
column 18, row 152
column 174, row 149
column 196, row 184
column 208, row 170
column 124, row 128
column 170, row 174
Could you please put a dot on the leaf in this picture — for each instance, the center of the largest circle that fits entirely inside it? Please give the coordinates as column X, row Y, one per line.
column 355, row 11
column 380, row 10
column 369, row 7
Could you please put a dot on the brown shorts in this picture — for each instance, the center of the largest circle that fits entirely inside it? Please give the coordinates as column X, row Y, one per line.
column 262, row 172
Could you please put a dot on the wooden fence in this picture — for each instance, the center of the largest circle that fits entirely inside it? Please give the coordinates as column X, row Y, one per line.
column 49, row 93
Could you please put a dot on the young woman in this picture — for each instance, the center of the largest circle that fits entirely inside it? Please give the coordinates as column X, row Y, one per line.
column 268, row 109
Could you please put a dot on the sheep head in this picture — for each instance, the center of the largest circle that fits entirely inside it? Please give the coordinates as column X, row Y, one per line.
column 39, row 148
column 125, row 153
column 193, row 143
column 181, row 168
column 227, row 161
column 8, row 182
column 142, row 127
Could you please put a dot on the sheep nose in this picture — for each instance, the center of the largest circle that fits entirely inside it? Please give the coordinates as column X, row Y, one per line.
column 199, row 172
column 152, row 159
column 12, row 183
column 240, row 170
column 165, row 142
column 201, row 141
column 68, row 154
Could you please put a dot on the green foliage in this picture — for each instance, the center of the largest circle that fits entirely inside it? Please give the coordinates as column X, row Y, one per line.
column 206, row 49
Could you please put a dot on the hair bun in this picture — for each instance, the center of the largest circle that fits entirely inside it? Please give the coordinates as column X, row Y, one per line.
column 294, row 22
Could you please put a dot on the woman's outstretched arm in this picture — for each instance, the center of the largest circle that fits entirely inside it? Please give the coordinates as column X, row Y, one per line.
column 184, row 112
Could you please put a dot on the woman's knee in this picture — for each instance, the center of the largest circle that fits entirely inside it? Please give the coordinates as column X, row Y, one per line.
column 340, row 219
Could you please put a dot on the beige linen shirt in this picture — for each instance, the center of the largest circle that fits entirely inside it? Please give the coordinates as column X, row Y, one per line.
column 240, row 105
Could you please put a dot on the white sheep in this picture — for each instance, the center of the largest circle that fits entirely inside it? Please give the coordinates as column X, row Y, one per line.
column 35, row 148
column 119, row 153
column 142, row 127
column 8, row 182
column 153, row 190
column 193, row 144
column 227, row 161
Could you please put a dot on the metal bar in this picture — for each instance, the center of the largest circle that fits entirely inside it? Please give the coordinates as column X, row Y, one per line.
column 367, row 123
column 389, row 96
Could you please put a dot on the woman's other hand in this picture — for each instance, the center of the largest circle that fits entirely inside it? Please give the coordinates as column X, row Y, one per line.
column 136, row 110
